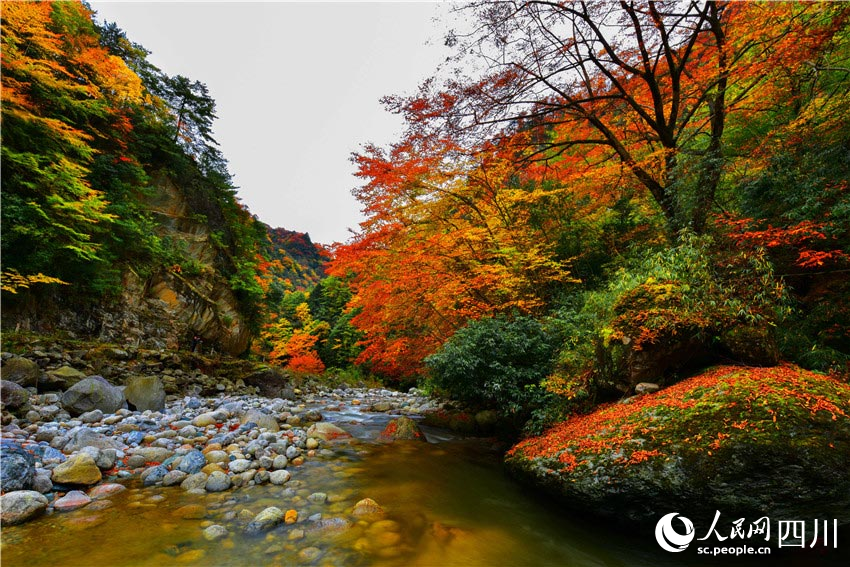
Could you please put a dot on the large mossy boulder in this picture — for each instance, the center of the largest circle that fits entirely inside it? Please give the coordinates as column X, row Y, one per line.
column 90, row 394
column 145, row 393
column 21, row 371
column 745, row 441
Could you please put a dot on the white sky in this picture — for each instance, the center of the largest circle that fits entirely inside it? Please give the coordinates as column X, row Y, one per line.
column 297, row 87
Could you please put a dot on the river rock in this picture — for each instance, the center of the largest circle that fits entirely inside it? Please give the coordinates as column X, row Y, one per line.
column 92, row 393
column 215, row 532
column 327, row 431
column 194, row 482
column 21, row 505
column 239, row 465
column 78, row 469
column 153, row 454
column 73, row 500
column 173, row 478
column 402, row 429
column 328, row 527
column 41, row 482
column 367, row 508
column 310, row 554
column 153, row 475
column 205, row 419
column 86, row 437
column 265, row 520
column 216, row 456
column 14, row 396
column 17, row 467
column 279, row 477
column 217, row 482
column 145, row 393
column 91, row 416
column 280, row 462
column 263, row 420
column 61, row 378
column 104, row 490
column 318, row 498
column 21, row 371
column 192, row 462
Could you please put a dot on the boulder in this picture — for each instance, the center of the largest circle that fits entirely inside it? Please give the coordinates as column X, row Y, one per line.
column 22, row 505
column 145, row 393
column 746, row 441
column 61, row 378
column 14, row 396
column 327, row 431
column 17, row 467
column 78, row 469
column 402, row 429
column 21, row 371
column 268, row 381
column 263, row 420
column 90, row 394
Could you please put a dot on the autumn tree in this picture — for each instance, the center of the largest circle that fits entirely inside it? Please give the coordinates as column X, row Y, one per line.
column 449, row 238
column 646, row 85
column 65, row 100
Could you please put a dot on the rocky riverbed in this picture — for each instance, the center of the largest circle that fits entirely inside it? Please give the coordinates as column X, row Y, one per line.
column 210, row 455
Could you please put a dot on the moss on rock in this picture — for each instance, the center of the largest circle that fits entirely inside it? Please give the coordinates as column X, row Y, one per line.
column 742, row 440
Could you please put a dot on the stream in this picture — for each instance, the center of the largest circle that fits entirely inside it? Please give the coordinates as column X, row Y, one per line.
column 445, row 502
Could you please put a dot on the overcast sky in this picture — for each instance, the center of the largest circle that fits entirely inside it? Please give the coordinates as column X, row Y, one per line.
column 297, row 87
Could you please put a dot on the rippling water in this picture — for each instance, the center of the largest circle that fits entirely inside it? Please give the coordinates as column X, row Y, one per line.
column 447, row 502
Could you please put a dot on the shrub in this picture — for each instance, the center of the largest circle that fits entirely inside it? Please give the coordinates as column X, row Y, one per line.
column 495, row 362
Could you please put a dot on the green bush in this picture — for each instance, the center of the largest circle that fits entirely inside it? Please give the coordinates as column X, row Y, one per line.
column 495, row 362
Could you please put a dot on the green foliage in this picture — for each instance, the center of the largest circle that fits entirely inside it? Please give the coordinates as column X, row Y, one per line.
column 497, row 362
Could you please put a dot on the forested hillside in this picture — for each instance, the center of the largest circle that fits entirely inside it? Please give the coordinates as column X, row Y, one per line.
column 118, row 207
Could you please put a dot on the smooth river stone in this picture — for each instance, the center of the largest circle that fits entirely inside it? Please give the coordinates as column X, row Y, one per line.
column 104, row 490
column 279, row 477
column 265, row 520
column 217, row 482
column 74, row 500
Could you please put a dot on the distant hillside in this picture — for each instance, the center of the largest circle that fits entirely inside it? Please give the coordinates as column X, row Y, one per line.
column 294, row 262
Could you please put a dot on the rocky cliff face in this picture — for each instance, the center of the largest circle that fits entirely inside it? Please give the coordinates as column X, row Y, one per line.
column 164, row 310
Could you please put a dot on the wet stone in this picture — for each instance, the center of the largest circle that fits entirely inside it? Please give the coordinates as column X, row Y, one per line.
column 215, row 532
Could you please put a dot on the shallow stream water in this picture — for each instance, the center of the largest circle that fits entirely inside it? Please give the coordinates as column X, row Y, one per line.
column 446, row 502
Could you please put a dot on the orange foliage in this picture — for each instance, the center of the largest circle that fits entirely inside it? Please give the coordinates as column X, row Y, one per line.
column 448, row 239
column 615, row 425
